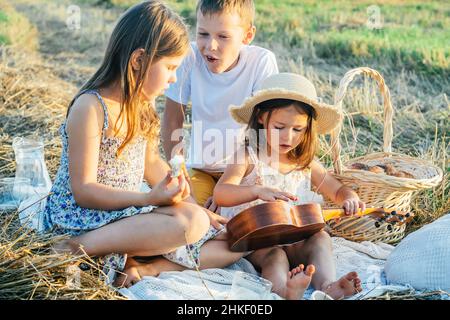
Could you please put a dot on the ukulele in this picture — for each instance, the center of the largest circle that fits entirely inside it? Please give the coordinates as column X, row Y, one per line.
column 278, row 223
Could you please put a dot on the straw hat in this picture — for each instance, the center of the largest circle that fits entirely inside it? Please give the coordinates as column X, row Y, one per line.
column 289, row 86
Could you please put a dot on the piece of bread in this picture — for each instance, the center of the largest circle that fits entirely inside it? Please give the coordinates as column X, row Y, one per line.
column 403, row 174
column 376, row 169
column 359, row 166
column 177, row 164
column 390, row 169
column 408, row 175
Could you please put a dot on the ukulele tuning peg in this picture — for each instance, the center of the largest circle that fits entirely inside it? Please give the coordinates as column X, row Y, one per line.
column 394, row 213
column 407, row 215
column 389, row 227
column 377, row 224
column 401, row 218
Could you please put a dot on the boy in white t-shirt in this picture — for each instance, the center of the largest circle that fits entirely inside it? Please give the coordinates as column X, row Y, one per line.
column 221, row 69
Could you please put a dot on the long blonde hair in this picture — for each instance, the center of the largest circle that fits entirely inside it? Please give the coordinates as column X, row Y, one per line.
column 158, row 30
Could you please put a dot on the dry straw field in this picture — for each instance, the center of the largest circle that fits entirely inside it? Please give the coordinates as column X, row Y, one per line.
column 43, row 61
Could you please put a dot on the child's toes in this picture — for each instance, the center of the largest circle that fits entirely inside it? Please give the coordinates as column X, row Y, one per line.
column 310, row 269
column 352, row 275
column 119, row 282
column 131, row 281
column 299, row 268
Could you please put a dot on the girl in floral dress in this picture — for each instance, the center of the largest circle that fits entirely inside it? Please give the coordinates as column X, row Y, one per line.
column 110, row 145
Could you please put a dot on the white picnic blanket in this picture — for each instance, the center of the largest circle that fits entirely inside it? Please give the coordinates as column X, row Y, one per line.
column 420, row 261
column 366, row 258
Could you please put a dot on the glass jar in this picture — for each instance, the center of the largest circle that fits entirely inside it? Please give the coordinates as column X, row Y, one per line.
column 12, row 192
column 30, row 164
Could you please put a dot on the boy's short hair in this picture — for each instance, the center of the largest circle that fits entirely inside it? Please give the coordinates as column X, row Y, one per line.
column 244, row 8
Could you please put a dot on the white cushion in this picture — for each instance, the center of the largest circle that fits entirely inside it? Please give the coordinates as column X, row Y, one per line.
column 422, row 259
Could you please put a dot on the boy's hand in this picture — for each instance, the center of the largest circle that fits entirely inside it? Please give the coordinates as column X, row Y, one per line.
column 351, row 206
column 211, row 205
column 216, row 220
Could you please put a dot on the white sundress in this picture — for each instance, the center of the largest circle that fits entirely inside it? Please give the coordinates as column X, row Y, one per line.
column 296, row 182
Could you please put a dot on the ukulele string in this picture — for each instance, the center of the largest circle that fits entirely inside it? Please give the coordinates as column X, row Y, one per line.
column 182, row 153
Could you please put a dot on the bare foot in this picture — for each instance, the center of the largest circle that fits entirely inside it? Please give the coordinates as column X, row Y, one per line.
column 298, row 281
column 345, row 287
column 133, row 273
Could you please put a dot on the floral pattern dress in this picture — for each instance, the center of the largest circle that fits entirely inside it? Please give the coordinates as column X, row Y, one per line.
column 62, row 215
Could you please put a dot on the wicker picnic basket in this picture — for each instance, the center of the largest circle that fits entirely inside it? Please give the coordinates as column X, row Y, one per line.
column 378, row 189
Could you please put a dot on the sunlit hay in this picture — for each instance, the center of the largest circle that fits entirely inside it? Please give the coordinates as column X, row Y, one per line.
column 30, row 269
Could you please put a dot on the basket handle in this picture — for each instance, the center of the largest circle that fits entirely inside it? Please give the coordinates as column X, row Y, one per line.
column 388, row 113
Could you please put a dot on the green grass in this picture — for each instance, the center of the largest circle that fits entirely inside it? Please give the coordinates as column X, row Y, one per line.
column 4, row 40
column 3, row 17
column 15, row 29
column 413, row 34
column 3, row 22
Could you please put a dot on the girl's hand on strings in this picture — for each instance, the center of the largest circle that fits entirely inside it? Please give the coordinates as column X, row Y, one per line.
column 352, row 206
column 169, row 191
column 272, row 194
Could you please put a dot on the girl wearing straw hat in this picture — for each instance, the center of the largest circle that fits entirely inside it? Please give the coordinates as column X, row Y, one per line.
column 284, row 120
